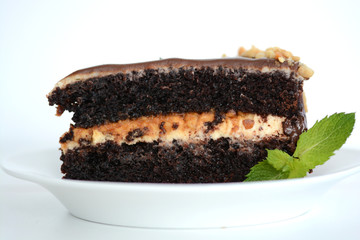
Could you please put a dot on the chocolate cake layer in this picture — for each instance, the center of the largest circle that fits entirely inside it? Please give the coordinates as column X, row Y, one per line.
column 218, row 160
column 192, row 89
column 180, row 121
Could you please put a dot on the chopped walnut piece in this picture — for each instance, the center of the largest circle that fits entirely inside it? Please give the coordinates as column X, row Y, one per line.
column 276, row 53
column 231, row 113
column 248, row 123
column 304, row 101
column 305, row 71
column 260, row 55
column 281, row 59
column 279, row 54
column 241, row 51
column 251, row 53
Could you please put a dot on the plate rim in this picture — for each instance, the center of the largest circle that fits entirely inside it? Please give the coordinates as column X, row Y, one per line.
column 165, row 198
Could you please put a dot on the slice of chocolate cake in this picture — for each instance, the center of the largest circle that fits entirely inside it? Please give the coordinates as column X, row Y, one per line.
column 181, row 121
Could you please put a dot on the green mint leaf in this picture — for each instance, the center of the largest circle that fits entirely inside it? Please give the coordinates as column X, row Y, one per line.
column 286, row 163
column 265, row 171
column 279, row 159
column 297, row 168
column 278, row 165
column 314, row 147
column 318, row 144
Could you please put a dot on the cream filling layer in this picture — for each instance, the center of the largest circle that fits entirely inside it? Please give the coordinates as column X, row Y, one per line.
column 187, row 127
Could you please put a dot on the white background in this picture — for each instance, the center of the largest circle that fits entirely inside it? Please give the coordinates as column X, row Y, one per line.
column 43, row 41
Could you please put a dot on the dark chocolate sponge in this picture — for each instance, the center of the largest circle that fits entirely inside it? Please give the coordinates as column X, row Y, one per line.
column 118, row 97
column 213, row 161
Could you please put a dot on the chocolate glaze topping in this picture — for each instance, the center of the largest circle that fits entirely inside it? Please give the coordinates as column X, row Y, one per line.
column 179, row 62
column 110, row 69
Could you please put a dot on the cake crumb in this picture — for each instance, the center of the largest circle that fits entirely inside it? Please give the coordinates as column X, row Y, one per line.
column 59, row 110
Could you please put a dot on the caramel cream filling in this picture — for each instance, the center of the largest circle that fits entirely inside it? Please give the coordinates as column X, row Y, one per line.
column 189, row 127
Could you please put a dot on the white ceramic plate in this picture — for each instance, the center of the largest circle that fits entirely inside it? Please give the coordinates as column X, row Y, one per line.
column 183, row 205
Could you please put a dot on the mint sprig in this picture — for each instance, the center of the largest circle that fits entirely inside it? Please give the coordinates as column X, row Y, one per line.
column 314, row 147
